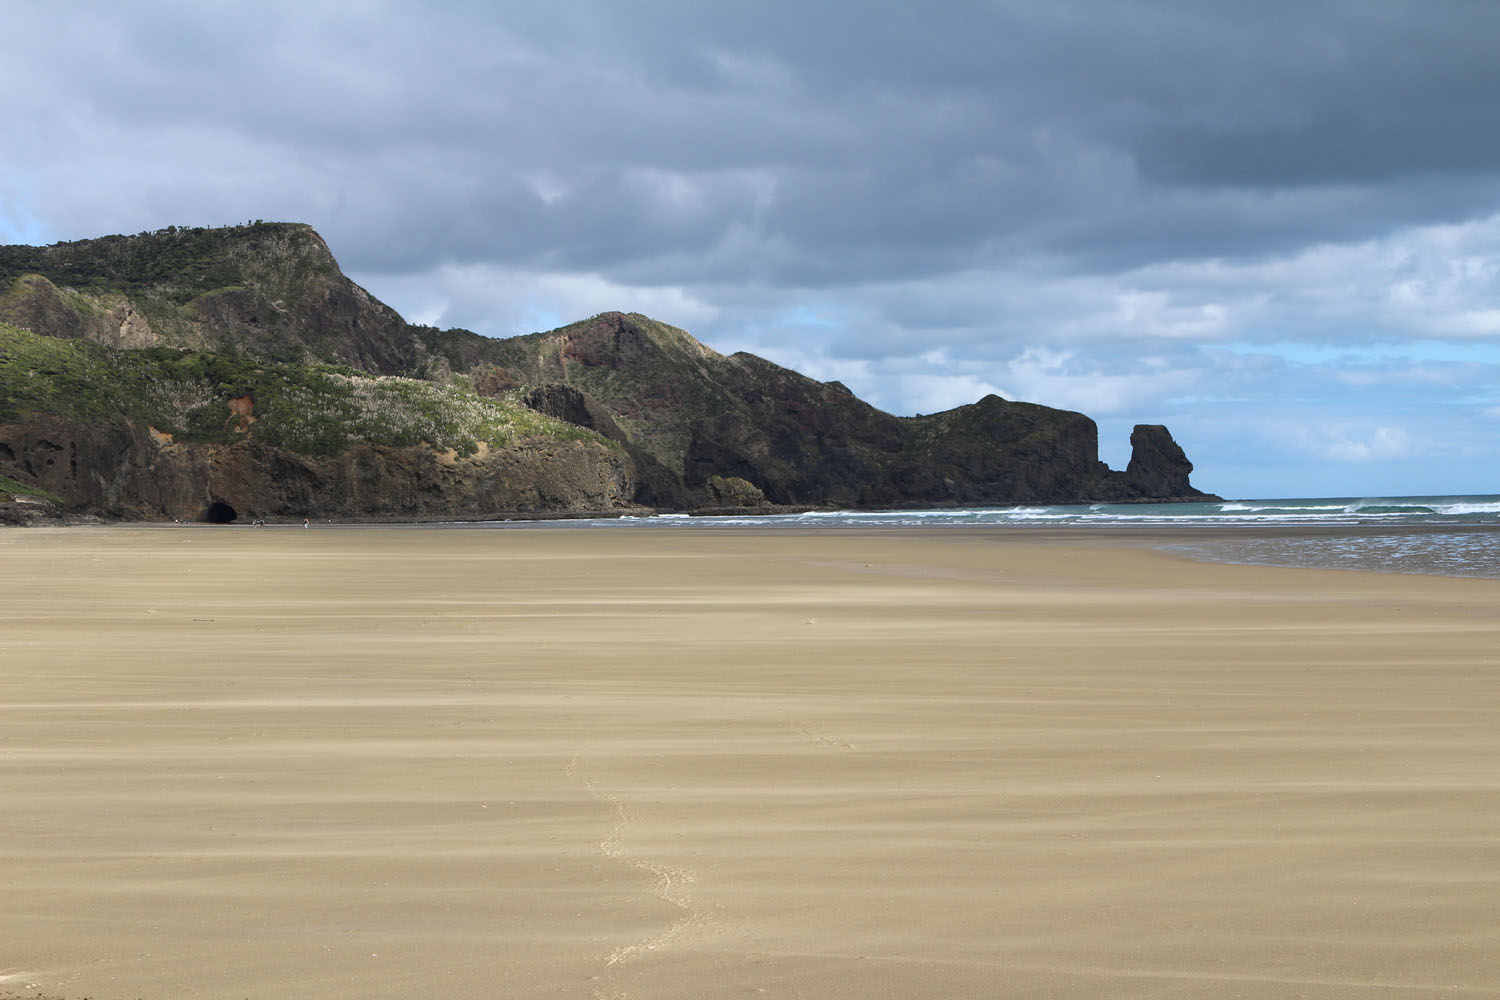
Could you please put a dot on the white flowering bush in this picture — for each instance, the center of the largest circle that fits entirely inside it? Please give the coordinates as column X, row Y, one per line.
column 315, row 409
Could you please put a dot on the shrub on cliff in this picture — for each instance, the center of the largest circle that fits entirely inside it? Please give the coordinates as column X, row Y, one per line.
column 208, row 397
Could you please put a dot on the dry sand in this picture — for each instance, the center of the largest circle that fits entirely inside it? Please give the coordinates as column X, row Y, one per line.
column 602, row 763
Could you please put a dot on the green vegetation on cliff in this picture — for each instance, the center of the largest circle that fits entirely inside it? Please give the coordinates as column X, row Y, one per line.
column 175, row 264
column 9, row 488
column 702, row 415
column 655, row 379
column 268, row 289
column 211, row 397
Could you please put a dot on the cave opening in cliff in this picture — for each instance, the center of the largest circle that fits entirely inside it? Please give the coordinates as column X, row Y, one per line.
column 218, row 512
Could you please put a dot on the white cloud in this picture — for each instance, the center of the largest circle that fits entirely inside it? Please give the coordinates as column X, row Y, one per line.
column 1351, row 442
column 503, row 302
column 1397, row 374
column 1064, row 379
column 934, row 393
column 1155, row 314
column 1469, row 323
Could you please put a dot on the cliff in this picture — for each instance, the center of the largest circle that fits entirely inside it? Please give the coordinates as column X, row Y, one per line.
column 208, row 372
column 272, row 290
column 162, row 434
column 802, row 442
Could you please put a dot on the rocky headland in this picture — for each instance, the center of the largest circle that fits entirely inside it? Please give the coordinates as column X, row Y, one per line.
column 237, row 374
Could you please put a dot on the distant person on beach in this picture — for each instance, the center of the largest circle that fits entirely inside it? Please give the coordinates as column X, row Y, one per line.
column 304, row 522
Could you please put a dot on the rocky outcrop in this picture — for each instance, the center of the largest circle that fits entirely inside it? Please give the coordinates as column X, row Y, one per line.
column 269, row 289
column 996, row 448
column 1158, row 468
column 564, row 402
column 734, row 492
column 655, row 484
column 121, row 470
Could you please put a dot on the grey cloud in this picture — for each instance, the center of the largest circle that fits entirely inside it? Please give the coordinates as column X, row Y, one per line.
column 897, row 140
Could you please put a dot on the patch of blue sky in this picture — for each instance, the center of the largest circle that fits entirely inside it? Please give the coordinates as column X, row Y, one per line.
column 537, row 318
column 817, row 318
column 545, row 320
column 18, row 226
column 1483, row 397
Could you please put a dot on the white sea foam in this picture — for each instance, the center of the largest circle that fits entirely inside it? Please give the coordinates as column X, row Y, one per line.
column 1469, row 507
column 1464, row 545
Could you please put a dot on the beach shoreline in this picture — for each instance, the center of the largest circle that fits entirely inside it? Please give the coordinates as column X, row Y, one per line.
column 1451, row 535
column 714, row 761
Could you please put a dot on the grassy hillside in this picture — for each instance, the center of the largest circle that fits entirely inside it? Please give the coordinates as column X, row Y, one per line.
column 657, row 381
column 11, row 488
column 268, row 289
column 313, row 409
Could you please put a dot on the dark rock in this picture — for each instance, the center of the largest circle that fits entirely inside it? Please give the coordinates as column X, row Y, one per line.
column 1000, row 452
column 122, row 471
column 1158, row 467
column 575, row 407
column 656, row 485
column 734, row 492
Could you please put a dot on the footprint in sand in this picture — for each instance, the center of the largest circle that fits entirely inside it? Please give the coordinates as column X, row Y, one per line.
column 667, row 882
column 821, row 738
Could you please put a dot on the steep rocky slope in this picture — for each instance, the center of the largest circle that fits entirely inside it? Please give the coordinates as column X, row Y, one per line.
column 802, row 441
column 162, row 433
column 268, row 289
column 202, row 372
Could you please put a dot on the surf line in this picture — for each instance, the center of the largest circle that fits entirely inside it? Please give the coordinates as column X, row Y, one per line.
column 668, row 883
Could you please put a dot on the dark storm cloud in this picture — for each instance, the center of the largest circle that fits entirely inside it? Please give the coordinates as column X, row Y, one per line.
column 1351, row 94
column 834, row 143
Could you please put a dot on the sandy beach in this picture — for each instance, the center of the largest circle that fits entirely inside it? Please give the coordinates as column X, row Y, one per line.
column 686, row 763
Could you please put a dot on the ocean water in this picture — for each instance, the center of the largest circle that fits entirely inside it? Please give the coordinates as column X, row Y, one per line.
column 1442, row 535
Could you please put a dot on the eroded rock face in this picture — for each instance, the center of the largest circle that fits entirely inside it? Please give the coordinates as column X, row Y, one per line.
column 1158, row 467
column 35, row 303
column 276, row 292
column 734, row 492
column 1000, row 451
column 119, row 470
column 574, row 406
column 655, row 484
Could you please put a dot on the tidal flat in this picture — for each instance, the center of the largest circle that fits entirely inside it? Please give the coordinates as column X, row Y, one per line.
column 362, row 762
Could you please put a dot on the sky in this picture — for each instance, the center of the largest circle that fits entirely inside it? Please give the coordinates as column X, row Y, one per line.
column 1273, row 227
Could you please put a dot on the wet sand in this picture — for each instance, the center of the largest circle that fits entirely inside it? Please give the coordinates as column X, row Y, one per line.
column 642, row 763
